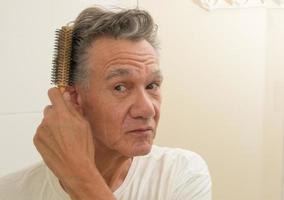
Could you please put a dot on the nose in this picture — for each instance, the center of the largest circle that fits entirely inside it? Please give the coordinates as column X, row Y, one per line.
column 143, row 106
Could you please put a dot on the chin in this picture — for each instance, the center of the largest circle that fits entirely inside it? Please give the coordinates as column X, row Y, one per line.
column 141, row 149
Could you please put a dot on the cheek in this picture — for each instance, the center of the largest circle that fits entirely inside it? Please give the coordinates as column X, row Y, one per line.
column 117, row 113
column 112, row 126
column 108, row 119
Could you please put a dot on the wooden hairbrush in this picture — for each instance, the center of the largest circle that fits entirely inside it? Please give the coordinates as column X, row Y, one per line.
column 60, row 75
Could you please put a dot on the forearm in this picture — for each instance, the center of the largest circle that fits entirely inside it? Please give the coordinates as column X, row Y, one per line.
column 65, row 141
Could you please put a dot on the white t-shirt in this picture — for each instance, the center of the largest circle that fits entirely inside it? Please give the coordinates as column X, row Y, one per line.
column 163, row 174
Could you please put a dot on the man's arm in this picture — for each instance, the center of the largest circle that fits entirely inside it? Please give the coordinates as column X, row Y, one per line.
column 65, row 142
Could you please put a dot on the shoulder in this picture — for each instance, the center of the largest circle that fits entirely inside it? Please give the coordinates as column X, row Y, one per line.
column 23, row 182
column 179, row 157
column 188, row 172
column 178, row 164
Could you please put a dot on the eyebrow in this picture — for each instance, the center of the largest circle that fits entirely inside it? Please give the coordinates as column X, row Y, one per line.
column 120, row 72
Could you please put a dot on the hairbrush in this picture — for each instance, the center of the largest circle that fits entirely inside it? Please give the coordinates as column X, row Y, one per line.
column 60, row 75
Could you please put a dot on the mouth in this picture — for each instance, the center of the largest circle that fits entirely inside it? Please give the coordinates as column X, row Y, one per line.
column 141, row 131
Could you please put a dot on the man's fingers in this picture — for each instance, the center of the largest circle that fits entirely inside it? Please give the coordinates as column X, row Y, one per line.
column 56, row 99
column 63, row 102
column 47, row 110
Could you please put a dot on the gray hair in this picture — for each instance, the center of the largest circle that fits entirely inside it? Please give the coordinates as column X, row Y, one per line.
column 94, row 22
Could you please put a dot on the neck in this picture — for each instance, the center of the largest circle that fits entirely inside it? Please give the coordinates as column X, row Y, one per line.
column 111, row 165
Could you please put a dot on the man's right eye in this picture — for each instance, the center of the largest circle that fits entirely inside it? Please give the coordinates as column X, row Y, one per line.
column 120, row 88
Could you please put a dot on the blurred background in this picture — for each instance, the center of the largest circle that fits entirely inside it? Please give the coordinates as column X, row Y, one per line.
column 223, row 94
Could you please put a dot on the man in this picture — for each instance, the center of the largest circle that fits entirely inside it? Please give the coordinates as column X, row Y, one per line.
column 96, row 138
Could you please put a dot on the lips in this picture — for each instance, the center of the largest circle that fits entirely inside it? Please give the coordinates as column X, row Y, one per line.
column 142, row 130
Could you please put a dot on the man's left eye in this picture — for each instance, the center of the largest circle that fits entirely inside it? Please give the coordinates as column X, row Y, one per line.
column 120, row 88
column 153, row 86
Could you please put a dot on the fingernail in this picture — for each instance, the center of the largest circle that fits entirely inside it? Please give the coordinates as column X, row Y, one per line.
column 66, row 96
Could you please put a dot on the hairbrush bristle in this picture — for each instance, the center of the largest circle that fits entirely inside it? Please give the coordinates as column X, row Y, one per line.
column 62, row 57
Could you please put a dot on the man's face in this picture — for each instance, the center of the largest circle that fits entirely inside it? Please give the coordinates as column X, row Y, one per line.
column 123, row 101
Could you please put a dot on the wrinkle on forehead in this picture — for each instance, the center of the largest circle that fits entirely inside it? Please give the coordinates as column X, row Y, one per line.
column 139, row 62
column 105, row 50
column 136, row 57
column 126, row 67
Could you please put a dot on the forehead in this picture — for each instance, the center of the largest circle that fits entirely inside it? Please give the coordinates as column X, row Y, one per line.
column 106, row 50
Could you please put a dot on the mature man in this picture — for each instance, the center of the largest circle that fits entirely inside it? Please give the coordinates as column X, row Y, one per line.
column 96, row 138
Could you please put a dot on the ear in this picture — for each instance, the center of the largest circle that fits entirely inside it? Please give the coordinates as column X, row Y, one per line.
column 75, row 95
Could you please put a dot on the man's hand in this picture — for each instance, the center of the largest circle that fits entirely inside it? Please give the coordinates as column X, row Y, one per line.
column 65, row 142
